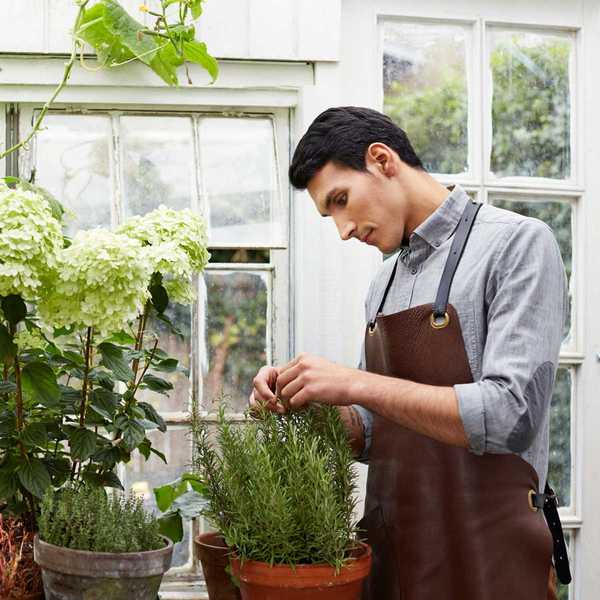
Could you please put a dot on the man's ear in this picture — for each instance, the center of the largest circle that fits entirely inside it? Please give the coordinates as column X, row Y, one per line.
column 380, row 158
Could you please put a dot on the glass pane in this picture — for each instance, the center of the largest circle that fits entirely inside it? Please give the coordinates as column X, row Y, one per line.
column 531, row 107
column 558, row 215
column 157, row 157
column 239, row 173
column 236, row 335
column 425, row 91
column 142, row 476
column 177, row 347
column 559, row 469
column 72, row 161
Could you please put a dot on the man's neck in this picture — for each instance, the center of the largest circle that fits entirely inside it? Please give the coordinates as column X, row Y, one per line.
column 425, row 196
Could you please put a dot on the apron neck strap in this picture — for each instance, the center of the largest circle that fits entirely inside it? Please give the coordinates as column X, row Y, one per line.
column 459, row 242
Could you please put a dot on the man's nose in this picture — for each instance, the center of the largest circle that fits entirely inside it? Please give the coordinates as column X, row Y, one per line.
column 345, row 229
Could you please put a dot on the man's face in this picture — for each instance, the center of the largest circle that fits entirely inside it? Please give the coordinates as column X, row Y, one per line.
column 366, row 205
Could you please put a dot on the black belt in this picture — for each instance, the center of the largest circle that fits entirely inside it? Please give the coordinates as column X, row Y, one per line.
column 548, row 502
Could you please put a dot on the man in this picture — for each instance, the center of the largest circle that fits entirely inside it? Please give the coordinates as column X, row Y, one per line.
column 464, row 327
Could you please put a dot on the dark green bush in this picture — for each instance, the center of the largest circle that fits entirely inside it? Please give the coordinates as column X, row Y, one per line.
column 90, row 519
column 280, row 488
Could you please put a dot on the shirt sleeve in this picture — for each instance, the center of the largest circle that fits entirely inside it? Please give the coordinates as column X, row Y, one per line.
column 526, row 297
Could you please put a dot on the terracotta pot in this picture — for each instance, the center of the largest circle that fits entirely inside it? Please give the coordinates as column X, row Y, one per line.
column 261, row 581
column 82, row 575
column 214, row 557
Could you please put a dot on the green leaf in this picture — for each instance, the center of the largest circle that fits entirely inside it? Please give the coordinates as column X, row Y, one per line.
column 164, row 496
column 8, row 349
column 7, row 387
column 196, row 483
column 14, row 308
column 159, row 454
column 110, row 479
column 133, row 433
column 190, row 504
column 160, row 298
column 121, row 338
column 156, row 384
column 165, row 63
column 171, row 526
column 35, row 434
column 59, row 469
column 83, row 443
column 171, row 326
column 196, row 52
column 39, row 382
column 8, row 484
column 102, row 378
column 113, row 360
column 151, row 414
column 196, row 6
column 114, row 34
column 104, row 402
column 108, row 457
column 168, row 365
column 34, row 477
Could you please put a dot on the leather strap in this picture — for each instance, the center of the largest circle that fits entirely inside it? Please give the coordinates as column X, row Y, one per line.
column 456, row 251
column 387, row 289
column 548, row 502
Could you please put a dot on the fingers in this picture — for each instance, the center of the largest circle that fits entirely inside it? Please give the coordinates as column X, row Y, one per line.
column 264, row 384
column 287, row 375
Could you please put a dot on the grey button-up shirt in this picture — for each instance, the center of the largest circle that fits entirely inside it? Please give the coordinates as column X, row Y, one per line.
column 510, row 293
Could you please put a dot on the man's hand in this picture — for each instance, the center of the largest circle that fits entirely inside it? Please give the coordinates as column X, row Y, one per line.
column 263, row 390
column 310, row 378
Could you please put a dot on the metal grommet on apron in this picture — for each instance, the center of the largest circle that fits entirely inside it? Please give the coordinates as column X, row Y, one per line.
column 444, row 523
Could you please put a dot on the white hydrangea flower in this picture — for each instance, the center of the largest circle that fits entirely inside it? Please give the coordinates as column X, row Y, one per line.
column 27, row 340
column 102, row 283
column 176, row 241
column 30, row 240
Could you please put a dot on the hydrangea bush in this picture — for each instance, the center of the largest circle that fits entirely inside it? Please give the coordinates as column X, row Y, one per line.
column 75, row 350
column 30, row 239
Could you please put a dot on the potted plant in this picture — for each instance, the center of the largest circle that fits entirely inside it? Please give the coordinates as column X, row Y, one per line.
column 185, row 499
column 280, row 489
column 77, row 346
column 93, row 544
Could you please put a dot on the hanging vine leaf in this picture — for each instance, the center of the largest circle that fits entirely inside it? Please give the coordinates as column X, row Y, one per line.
column 196, row 52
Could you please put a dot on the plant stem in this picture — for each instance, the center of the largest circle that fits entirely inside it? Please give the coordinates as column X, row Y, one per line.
column 148, row 361
column 139, row 339
column 86, row 374
column 58, row 89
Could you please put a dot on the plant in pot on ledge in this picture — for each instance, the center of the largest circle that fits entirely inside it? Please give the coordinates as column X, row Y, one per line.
column 280, row 490
column 76, row 347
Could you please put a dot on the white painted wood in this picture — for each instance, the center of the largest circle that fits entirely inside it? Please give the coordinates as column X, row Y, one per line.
column 280, row 39
column 22, row 26
column 2, row 138
column 259, row 29
column 31, row 70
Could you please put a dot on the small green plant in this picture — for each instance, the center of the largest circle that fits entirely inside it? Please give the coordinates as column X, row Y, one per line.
column 83, row 518
column 280, row 488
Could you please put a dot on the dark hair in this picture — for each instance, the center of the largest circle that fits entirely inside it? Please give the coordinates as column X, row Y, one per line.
column 342, row 135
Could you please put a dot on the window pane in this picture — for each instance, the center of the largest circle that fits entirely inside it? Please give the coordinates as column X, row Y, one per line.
column 72, row 161
column 558, row 215
column 177, row 347
column 531, row 110
column 142, row 476
column 425, row 91
column 559, row 469
column 157, row 157
column 239, row 174
column 236, row 335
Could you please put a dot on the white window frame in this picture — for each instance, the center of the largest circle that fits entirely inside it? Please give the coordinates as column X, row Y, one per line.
column 245, row 88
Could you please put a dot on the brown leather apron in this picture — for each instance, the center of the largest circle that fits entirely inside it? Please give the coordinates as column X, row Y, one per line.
column 444, row 523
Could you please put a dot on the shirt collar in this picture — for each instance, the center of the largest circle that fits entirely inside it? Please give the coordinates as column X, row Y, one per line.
column 440, row 225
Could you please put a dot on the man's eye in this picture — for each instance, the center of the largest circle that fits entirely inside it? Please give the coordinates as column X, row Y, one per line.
column 341, row 200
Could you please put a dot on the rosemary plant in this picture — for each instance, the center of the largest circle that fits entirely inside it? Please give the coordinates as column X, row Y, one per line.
column 280, row 488
column 84, row 518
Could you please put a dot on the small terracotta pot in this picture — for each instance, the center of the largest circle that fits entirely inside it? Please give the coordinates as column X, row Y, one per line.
column 261, row 581
column 214, row 557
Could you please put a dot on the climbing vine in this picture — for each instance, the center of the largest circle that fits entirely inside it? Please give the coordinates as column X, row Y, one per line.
column 118, row 39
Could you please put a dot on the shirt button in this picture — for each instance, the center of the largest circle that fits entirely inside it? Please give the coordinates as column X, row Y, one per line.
column 413, row 271
column 437, row 243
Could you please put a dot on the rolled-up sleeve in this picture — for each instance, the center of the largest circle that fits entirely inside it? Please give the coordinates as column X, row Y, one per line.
column 527, row 302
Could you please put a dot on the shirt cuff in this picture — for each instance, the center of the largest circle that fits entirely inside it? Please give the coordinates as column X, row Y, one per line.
column 367, row 421
column 472, row 413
